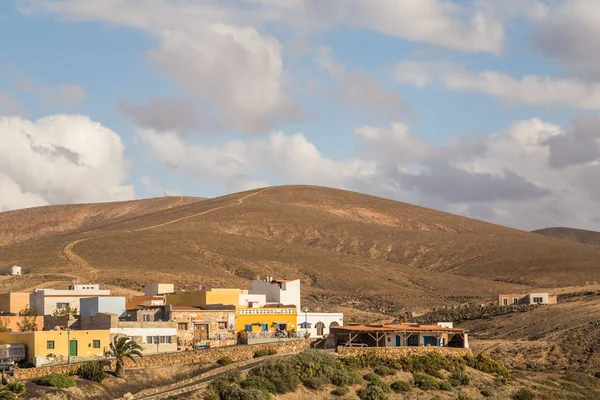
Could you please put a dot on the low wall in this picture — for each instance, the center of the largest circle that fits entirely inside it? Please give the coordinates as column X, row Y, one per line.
column 403, row 351
column 236, row 353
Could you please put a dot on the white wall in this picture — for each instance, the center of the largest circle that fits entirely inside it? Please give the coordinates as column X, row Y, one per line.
column 259, row 299
column 288, row 294
column 314, row 318
column 544, row 297
column 44, row 300
column 157, row 289
column 144, row 332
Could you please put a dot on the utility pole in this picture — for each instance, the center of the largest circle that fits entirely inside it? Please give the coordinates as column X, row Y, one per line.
column 68, row 347
column 305, row 323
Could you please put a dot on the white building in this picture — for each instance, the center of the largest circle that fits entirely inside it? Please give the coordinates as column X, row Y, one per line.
column 252, row 300
column 318, row 323
column 90, row 306
column 158, row 289
column 46, row 301
column 14, row 270
column 278, row 291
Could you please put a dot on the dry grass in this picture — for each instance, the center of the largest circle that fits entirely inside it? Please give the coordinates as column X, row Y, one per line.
column 575, row 235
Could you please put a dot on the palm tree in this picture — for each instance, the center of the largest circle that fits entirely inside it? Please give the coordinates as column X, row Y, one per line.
column 123, row 347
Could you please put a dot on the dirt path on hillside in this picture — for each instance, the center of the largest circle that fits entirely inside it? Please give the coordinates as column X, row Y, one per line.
column 73, row 259
column 237, row 203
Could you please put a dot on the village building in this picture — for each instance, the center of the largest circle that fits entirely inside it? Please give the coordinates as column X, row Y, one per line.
column 153, row 336
column 15, row 323
column 318, row 325
column 57, row 346
column 15, row 270
column 530, row 298
column 196, row 327
column 411, row 335
column 47, row 301
column 202, row 298
column 14, row 302
column 133, row 302
column 158, row 289
column 278, row 291
column 90, row 306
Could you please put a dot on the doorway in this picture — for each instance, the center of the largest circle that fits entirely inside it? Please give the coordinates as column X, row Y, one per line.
column 201, row 331
column 320, row 328
column 73, row 348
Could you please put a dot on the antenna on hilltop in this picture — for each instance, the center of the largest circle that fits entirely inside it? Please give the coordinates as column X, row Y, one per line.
column 164, row 192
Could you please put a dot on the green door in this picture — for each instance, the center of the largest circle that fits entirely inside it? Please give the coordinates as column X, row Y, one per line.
column 73, row 348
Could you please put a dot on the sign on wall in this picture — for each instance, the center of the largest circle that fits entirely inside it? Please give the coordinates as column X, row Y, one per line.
column 231, row 322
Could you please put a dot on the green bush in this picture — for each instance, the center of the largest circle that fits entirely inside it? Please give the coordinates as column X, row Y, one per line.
column 486, row 364
column 211, row 396
column 462, row 377
column 384, row 371
column 371, row 377
column 340, row 391
column 264, row 352
column 401, row 387
column 6, row 394
column 486, row 392
column 315, row 382
column 454, row 382
column 314, row 363
column 258, row 382
column 437, row 374
column 447, row 386
column 501, row 380
column 463, row 397
column 425, row 382
column 92, row 370
column 225, row 360
column 372, row 392
column 281, row 372
column 235, row 392
column 355, row 378
column 56, row 381
column 17, row 388
column 523, row 394
column 224, row 382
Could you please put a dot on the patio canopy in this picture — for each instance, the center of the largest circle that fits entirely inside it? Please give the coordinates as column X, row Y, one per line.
column 305, row 325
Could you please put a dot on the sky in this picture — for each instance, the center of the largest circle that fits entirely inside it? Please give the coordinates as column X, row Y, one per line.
column 482, row 108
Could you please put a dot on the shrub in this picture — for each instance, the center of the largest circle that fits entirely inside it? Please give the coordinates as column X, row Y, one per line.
column 486, row 392
column 211, row 396
column 425, row 382
column 314, row 363
column 92, row 370
column 56, row 381
column 462, row 377
column 454, row 382
column 447, row 386
column 258, row 382
column 384, row 371
column 6, row 394
column 315, row 382
column 523, row 394
column 264, row 352
column 384, row 386
column 401, row 387
column 225, row 360
column 501, row 380
column 355, row 378
column 486, row 364
column 235, row 392
column 224, row 382
column 437, row 374
column 17, row 388
column 281, row 372
column 372, row 392
column 342, row 377
column 463, row 397
column 371, row 377
column 340, row 391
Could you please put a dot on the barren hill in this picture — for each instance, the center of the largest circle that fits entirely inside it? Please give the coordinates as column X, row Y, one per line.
column 575, row 235
column 352, row 251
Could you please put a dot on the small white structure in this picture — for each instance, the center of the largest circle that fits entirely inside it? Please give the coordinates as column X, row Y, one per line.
column 90, row 306
column 252, row 300
column 318, row 323
column 14, row 270
column 158, row 289
column 286, row 292
column 46, row 301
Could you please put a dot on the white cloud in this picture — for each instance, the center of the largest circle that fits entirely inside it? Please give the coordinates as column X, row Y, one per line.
column 62, row 95
column 60, row 159
column 242, row 183
column 534, row 90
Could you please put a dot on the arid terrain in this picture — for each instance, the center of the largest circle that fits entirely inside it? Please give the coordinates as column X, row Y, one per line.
column 351, row 251
column 575, row 235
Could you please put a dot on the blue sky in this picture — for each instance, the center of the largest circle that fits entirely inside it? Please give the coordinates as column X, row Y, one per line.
column 202, row 99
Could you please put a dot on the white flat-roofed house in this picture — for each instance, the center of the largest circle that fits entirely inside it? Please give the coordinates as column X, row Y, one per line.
column 15, row 270
column 278, row 291
column 318, row 324
column 47, row 301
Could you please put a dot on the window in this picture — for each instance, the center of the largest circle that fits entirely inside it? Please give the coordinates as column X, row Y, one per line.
column 182, row 326
column 413, row 340
column 62, row 306
column 505, row 302
column 222, row 325
column 147, row 317
column 538, row 300
column 515, row 300
column 96, row 344
column 152, row 339
column 50, row 344
column 165, row 339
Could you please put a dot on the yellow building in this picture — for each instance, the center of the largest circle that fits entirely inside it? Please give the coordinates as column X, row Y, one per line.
column 45, row 347
column 266, row 319
column 14, row 302
column 202, row 298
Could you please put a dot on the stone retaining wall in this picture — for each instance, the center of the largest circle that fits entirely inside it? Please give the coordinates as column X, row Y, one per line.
column 403, row 351
column 236, row 353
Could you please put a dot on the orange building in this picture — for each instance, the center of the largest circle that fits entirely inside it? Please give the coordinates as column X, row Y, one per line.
column 11, row 322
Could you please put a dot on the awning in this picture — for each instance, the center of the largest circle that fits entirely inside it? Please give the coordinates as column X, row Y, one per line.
column 305, row 325
column 281, row 323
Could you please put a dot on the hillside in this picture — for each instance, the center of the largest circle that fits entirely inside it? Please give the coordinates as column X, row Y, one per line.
column 352, row 251
column 574, row 235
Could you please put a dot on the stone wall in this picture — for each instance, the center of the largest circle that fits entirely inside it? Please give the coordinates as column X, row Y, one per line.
column 403, row 351
column 236, row 353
